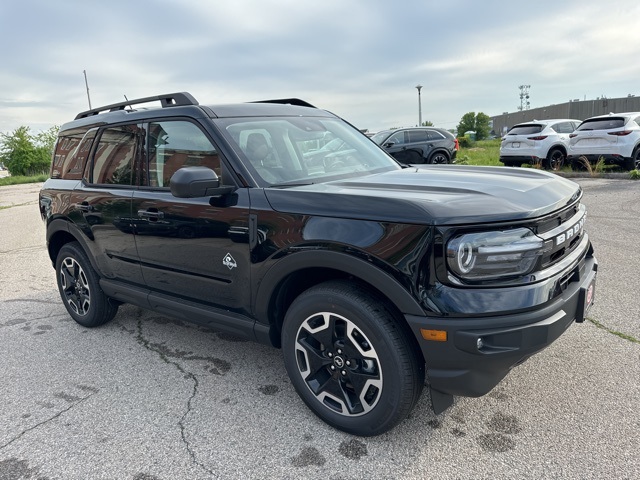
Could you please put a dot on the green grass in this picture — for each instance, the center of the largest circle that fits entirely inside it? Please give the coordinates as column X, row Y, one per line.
column 484, row 152
column 19, row 179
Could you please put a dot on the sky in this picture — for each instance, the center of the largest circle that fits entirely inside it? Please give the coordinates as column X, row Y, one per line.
column 360, row 59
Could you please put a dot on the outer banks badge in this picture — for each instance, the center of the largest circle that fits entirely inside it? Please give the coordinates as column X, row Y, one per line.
column 229, row 261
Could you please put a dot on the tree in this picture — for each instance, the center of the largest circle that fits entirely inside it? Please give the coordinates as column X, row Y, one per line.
column 467, row 123
column 482, row 126
column 24, row 153
column 475, row 123
column 427, row 123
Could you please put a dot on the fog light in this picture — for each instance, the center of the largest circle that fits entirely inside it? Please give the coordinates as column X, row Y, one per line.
column 479, row 343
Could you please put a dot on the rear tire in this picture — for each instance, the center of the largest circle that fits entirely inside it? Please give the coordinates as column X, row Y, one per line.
column 78, row 284
column 555, row 159
column 350, row 359
column 439, row 158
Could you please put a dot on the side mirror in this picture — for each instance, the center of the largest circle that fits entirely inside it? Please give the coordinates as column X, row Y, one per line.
column 195, row 182
column 389, row 144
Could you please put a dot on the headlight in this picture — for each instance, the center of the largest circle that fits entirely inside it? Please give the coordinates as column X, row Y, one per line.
column 494, row 255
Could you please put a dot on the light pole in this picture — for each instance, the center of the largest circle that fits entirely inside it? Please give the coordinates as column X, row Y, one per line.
column 419, row 87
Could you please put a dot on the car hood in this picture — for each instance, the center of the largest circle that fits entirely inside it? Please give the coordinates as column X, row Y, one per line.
column 433, row 195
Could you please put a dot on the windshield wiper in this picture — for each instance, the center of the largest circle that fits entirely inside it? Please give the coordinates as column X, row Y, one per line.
column 282, row 185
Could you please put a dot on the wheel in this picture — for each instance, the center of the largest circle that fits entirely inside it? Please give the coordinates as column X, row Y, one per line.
column 353, row 363
column 79, row 288
column 439, row 157
column 555, row 159
column 579, row 164
column 634, row 162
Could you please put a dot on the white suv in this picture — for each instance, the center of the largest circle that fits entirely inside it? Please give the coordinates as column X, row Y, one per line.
column 538, row 142
column 614, row 137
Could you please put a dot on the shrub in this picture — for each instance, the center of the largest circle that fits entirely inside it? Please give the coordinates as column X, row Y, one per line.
column 634, row 174
column 465, row 142
column 26, row 154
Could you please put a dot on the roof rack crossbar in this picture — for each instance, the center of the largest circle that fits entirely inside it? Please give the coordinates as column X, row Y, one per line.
column 287, row 101
column 166, row 100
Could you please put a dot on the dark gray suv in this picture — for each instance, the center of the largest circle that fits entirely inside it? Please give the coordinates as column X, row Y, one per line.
column 418, row 144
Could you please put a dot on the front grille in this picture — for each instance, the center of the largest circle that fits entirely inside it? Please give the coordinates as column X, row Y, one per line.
column 562, row 234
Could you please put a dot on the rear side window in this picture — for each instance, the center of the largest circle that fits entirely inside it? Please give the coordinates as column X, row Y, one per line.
column 418, row 136
column 564, row 127
column 602, row 123
column 71, row 152
column 115, row 156
column 525, row 129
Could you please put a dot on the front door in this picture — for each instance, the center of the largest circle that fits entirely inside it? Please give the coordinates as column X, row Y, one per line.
column 193, row 248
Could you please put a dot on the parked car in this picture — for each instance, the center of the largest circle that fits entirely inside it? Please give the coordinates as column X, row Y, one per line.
column 418, row 144
column 369, row 275
column 614, row 137
column 542, row 142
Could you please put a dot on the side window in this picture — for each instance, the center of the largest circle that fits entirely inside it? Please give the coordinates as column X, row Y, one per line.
column 418, row 136
column 71, row 151
column 563, row 127
column 397, row 138
column 433, row 135
column 637, row 120
column 172, row 145
column 115, row 155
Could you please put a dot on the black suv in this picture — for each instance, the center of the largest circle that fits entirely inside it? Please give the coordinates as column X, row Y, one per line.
column 418, row 145
column 363, row 271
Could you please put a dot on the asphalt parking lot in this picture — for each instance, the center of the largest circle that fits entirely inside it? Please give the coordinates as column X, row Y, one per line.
column 146, row 397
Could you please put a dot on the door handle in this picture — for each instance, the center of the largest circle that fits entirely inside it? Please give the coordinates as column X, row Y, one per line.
column 150, row 214
column 85, row 207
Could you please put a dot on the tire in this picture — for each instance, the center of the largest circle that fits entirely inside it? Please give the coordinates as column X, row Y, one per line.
column 78, row 284
column 634, row 162
column 578, row 165
column 439, row 158
column 353, row 363
column 555, row 159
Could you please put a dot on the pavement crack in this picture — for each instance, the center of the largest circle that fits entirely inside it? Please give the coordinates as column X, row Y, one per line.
column 187, row 374
column 44, row 422
column 624, row 336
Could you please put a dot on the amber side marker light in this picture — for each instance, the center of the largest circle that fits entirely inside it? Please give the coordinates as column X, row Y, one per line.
column 434, row 335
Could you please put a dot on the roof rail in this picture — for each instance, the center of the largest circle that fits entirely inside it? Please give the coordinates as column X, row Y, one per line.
column 287, row 101
column 167, row 100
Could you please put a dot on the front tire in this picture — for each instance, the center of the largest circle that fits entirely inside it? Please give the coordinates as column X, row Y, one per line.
column 350, row 358
column 78, row 284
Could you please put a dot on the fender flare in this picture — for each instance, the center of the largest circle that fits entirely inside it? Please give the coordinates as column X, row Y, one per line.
column 342, row 262
column 63, row 225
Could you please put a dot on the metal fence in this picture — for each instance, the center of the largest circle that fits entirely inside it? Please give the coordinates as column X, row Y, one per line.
column 576, row 109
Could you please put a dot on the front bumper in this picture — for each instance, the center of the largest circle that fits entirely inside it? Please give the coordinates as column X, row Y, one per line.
column 463, row 365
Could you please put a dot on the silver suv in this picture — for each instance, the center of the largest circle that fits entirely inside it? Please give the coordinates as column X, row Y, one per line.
column 613, row 137
column 542, row 142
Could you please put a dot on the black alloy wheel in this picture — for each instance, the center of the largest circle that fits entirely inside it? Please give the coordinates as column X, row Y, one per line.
column 439, row 157
column 555, row 159
column 350, row 359
column 79, row 288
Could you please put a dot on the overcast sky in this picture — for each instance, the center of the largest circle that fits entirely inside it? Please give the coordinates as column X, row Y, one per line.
column 359, row 59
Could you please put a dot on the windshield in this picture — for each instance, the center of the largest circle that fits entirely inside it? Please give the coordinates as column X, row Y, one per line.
column 380, row 137
column 293, row 150
column 525, row 129
column 602, row 123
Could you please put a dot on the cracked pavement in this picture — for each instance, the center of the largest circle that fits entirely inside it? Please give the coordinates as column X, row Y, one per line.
column 148, row 397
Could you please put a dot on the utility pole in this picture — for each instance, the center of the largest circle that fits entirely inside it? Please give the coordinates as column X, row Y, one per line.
column 524, row 97
column 87, row 85
column 419, row 87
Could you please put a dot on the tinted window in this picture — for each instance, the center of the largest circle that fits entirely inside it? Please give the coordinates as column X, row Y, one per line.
column 525, row 129
column 396, row 138
column 563, row 127
column 115, row 155
column 418, row 136
column 435, row 135
column 72, row 149
column 175, row 144
column 602, row 123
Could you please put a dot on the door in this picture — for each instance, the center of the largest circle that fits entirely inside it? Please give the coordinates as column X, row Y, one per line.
column 103, row 202
column 193, row 248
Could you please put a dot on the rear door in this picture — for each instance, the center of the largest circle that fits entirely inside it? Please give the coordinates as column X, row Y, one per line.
column 102, row 201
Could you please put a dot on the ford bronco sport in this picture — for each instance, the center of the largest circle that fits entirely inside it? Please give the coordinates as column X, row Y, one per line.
column 374, row 278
